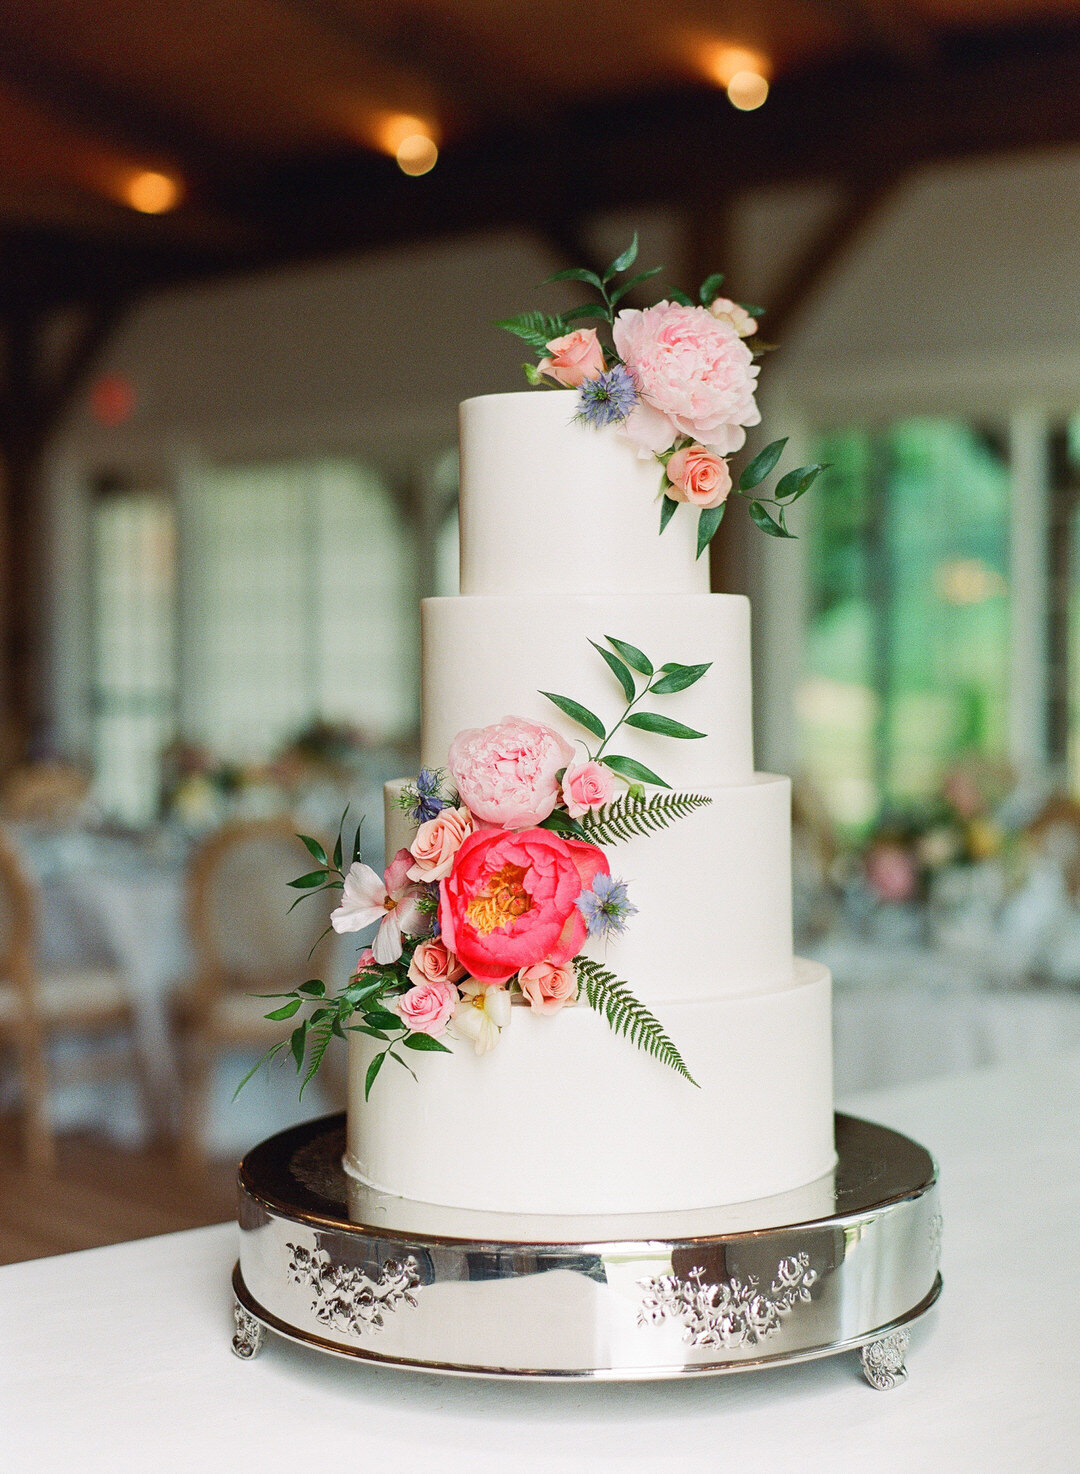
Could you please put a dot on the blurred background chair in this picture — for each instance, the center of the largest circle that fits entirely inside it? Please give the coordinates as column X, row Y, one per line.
column 245, row 944
column 37, row 1007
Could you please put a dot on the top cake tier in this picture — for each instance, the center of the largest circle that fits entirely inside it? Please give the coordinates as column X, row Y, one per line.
column 549, row 505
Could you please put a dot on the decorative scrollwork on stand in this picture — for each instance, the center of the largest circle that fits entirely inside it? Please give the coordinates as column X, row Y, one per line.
column 248, row 1340
column 733, row 1313
column 883, row 1361
column 352, row 1300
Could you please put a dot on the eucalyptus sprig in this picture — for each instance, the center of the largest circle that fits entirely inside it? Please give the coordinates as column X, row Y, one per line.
column 626, row 663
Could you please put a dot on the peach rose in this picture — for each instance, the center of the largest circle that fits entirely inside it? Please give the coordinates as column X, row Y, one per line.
column 433, row 962
column 586, row 786
column 725, row 310
column 548, row 987
column 697, row 476
column 428, row 1008
column 437, row 842
column 573, row 358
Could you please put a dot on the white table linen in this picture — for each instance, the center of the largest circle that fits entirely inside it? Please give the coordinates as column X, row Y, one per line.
column 117, row 1360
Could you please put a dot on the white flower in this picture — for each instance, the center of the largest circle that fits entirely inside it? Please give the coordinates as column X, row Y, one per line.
column 390, row 901
column 482, row 1014
column 725, row 310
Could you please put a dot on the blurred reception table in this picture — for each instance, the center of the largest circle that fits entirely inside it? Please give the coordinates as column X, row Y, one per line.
column 118, row 1359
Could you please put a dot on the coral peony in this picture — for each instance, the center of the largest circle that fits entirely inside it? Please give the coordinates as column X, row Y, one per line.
column 437, row 842
column 506, row 773
column 392, row 902
column 698, row 476
column 428, row 1008
column 586, row 786
column 573, row 358
column 548, row 988
column 433, row 962
column 691, row 368
column 509, row 901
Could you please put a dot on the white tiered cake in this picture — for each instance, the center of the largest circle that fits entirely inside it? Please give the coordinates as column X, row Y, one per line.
column 559, row 546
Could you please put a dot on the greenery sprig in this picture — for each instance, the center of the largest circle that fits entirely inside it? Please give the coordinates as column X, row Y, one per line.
column 627, row 1015
column 631, row 814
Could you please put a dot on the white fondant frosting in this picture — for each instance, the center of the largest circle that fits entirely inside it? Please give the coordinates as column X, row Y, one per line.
column 552, row 506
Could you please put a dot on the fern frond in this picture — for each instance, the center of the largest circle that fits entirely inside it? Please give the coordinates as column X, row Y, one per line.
column 321, row 1035
column 537, row 328
column 627, row 815
column 626, row 1015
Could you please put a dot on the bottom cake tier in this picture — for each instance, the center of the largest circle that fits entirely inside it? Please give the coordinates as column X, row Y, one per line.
column 566, row 1117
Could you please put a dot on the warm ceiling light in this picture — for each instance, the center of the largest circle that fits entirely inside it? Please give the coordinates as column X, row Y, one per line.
column 722, row 63
column 416, row 154
column 152, row 193
column 747, row 91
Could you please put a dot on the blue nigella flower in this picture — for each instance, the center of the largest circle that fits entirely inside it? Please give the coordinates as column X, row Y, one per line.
column 607, row 399
column 428, row 802
column 606, row 907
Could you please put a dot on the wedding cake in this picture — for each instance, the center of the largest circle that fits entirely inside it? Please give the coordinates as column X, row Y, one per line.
column 584, row 958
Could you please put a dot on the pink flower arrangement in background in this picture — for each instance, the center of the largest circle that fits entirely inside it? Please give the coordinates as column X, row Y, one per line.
column 698, row 476
column 572, row 358
column 507, row 774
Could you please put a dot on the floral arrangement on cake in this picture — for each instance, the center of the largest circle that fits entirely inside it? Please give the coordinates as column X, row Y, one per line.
column 677, row 380
column 504, row 884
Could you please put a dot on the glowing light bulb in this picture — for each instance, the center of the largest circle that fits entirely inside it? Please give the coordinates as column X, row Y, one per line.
column 152, row 193
column 416, row 154
column 721, row 62
column 747, row 91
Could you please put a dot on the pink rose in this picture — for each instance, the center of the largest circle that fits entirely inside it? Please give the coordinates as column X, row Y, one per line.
column 573, row 358
column 433, row 962
column 364, row 962
column 505, row 773
column 429, row 1007
column 586, row 786
column 509, row 901
column 548, row 987
column 697, row 476
column 727, row 311
column 437, row 842
column 692, row 370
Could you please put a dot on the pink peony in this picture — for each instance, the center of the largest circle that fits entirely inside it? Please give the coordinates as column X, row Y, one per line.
column 698, row 476
column 429, row 1007
column 573, row 358
column 548, row 987
column 586, row 786
column 693, row 371
column 727, row 311
column 505, row 773
column 509, row 901
column 437, row 842
column 433, row 962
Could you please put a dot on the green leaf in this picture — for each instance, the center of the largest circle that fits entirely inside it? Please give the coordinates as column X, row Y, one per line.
column 633, row 813
column 560, row 822
column 298, row 1044
column 381, row 1018
column 320, row 1039
column 648, row 721
column 757, row 469
column 678, row 677
column 667, row 509
column 635, row 281
column 752, row 309
column 587, row 310
column 633, row 771
column 537, row 328
column 798, row 482
column 285, row 1011
column 356, row 843
column 578, row 713
column 371, row 1033
column 710, row 288
column 263, row 1059
column 309, row 881
column 372, row 1073
column 533, row 374
column 618, row 670
column 627, row 1015
column 425, row 1042
column 760, row 518
column 632, row 655
column 331, row 885
column 624, row 261
column 707, row 524
column 574, row 273
column 676, row 294
column 316, row 988
column 313, row 847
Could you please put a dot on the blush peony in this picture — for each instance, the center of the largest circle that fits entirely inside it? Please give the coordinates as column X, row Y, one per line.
column 694, row 374
column 573, row 358
column 548, row 988
column 586, row 786
column 437, row 842
column 509, row 901
column 506, row 773
column 698, row 476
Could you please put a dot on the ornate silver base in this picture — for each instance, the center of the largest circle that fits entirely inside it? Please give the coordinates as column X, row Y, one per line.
column 840, row 1265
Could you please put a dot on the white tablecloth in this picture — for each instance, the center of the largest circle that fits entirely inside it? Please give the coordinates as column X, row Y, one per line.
column 117, row 1360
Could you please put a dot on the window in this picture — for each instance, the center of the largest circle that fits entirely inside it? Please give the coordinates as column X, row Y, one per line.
column 907, row 648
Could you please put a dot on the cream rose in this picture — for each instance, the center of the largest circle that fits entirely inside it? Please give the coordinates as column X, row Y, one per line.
column 548, row 987
column 698, row 476
column 725, row 310
column 586, row 786
column 437, row 842
column 433, row 962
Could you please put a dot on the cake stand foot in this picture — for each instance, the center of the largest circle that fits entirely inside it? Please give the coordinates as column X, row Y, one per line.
column 250, row 1333
column 883, row 1361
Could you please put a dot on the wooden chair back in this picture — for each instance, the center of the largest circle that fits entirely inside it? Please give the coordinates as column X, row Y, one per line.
column 18, row 923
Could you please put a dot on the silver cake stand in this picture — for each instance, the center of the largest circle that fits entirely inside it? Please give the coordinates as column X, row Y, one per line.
column 845, row 1264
